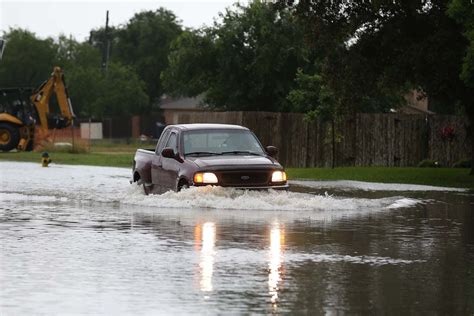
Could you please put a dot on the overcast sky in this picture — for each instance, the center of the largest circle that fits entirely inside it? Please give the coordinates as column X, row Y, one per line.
column 50, row 18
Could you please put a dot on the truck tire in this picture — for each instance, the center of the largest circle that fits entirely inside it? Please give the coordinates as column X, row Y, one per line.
column 9, row 136
column 183, row 184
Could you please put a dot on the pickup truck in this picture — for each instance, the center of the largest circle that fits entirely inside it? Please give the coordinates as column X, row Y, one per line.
column 207, row 154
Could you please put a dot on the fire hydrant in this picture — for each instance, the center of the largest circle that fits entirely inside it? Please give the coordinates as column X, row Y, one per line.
column 45, row 160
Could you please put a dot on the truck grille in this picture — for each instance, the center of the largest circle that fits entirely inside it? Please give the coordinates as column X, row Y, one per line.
column 244, row 178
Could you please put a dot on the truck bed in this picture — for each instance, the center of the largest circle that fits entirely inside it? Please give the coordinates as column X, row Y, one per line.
column 146, row 150
column 142, row 165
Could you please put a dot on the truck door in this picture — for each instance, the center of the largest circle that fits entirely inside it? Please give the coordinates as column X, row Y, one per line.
column 157, row 159
column 168, row 172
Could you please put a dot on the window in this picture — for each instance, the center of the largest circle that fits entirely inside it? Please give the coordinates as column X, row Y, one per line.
column 173, row 142
column 219, row 141
column 162, row 141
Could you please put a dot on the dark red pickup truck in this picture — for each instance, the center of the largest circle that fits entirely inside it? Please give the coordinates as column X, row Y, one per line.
column 207, row 154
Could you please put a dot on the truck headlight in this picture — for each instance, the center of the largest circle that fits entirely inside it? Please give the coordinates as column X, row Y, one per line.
column 205, row 178
column 279, row 176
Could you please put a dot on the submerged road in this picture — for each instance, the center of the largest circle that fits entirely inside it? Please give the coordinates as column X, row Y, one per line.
column 77, row 239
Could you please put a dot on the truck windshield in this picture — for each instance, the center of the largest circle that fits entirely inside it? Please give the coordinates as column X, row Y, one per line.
column 221, row 142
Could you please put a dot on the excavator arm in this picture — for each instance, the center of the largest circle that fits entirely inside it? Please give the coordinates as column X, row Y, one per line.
column 42, row 96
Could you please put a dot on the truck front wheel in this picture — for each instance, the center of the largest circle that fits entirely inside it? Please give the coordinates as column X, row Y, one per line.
column 183, row 184
column 9, row 136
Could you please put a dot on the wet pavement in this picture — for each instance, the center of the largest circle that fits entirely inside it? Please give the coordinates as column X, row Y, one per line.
column 77, row 239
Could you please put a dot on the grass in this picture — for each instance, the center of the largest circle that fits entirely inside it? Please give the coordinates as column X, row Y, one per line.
column 120, row 147
column 112, row 159
column 447, row 177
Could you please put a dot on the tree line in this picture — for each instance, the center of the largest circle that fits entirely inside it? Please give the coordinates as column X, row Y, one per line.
column 321, row 57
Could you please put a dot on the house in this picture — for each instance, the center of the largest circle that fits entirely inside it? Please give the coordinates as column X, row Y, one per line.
column 417, row 103
column 173, row 107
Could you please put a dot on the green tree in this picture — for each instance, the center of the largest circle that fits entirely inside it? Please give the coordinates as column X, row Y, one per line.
column 144, row 44
column 81, row 65
column 373, row 51
column 94, row 93
column 84, row 87
column 72, row 54
column 192, row 64
column 27, row 60
column 314, row 97
column 463, row 12
column 247, row 62
column 119, row 93
column 122, row 93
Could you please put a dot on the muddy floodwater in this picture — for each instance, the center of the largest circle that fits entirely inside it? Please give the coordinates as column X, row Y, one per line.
column 82, row 240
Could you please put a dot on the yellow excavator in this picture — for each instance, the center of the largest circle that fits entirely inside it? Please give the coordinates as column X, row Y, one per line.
column 18, row 119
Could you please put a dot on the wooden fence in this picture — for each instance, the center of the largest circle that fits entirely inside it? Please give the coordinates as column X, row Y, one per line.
column 132, row 127
column 362, row 140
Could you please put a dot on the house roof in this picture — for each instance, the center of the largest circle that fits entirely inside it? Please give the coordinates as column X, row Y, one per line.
column 409, row 109
column 168, row 103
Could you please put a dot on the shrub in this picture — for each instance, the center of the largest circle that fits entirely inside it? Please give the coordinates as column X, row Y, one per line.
column 427, row 163
column 463, row 163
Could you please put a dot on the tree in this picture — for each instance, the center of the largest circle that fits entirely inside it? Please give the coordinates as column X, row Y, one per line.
column 27, row 61
column 192, row 64
column 376, row 50
column 122, row 93
column 96, row 95
column 247, row 62
column 314, row 97
column 84, row 87
column 144, row 44
column 463, row 12
column 72, row 54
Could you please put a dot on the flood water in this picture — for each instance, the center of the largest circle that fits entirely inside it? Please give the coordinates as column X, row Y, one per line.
column 76, row 239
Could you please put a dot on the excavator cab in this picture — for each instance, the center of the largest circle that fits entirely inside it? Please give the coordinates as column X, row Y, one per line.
column 16, row 102
column 17, row 118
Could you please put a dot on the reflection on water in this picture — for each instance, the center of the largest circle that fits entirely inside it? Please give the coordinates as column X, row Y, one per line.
column 277, row 241
column 207, row 242
column 59, row 256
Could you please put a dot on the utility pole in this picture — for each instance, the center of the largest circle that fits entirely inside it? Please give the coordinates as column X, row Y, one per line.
column 2, row 46
column 106, row 47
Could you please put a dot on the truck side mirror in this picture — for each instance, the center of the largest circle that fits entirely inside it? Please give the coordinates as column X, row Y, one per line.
column 271, row 151
column 168, row 153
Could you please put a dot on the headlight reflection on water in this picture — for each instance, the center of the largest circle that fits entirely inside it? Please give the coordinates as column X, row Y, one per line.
column 277, row 242
column 205, row 240
column 206, row 263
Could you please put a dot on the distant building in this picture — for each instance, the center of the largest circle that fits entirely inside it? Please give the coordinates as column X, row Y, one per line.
column 417, row 103
column 173, row 107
